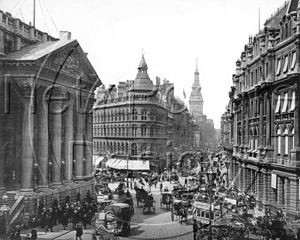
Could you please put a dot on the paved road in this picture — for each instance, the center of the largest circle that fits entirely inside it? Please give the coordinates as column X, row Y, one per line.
column 156, row 225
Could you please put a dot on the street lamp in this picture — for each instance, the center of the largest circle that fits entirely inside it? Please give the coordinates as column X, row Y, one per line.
column 210, row 178
column 62, row 170
column 128, row 157
column 35, row 174
column 227, row 164
column 50, row 172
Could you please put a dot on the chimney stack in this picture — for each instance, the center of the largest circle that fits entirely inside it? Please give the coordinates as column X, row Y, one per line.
column 64, row 35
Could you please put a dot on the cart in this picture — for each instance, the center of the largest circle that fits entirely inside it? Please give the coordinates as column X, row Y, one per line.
column 117, row 218
column 141, row 195
column 166, row 200
column 179, row 211
column 149, row 205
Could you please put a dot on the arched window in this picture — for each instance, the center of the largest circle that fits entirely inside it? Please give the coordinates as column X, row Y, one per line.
column 134, row 129
column 119, row 133
column 143, row 148
column 126, row 148
column 104, row 130
column 286, row 142
column 151, row 130
column 108, row 117
column 123, row 115
column 144, row 130
column 127, row 115
column 120, row 116
column 133, row 149
column 134, row 115
column 144, row 114
column 108, row 130
column 115, row 147
column 122, row 148
column 123, row 130
column 278, row 142
column 116, row 116
column 127, row 130
column 119, row 148
column 112, row 116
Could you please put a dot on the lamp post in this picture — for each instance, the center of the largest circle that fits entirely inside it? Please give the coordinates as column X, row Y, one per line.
column 62, row 171
column 128, row 157
column 227, row 164
column 74, row 169
column 210, row 178
column 50, row 172
column 35, row 175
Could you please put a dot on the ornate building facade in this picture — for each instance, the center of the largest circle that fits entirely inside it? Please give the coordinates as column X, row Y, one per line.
column 264, row 112
column 47, row 86
column 130, row 123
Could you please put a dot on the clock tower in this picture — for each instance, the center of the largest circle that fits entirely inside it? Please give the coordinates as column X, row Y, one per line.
column 196, row 100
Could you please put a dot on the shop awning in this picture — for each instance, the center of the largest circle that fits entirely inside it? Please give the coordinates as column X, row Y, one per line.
column 121, row 164
column 97, row 160
column 110, row 162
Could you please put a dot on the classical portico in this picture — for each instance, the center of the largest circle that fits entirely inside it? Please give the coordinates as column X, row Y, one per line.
column 47, row 96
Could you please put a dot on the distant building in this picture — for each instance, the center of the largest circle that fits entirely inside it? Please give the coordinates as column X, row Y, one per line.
column 263, row 114
column 46, row 93
column 204, row 134
column 130, row 123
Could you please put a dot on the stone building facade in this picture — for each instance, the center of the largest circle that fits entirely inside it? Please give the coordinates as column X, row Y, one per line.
column 47, row 97
column 130, row 122
column 264, row 112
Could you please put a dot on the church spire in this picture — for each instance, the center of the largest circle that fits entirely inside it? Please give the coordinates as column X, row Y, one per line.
column 196, row 83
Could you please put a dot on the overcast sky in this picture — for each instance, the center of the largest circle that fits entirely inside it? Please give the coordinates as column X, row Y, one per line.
column 173, row 33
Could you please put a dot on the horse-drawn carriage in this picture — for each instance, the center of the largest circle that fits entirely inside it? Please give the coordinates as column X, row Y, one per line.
column 101, row 188
column 118, row 217
column 179, row 211
column 141, row 196
column 166, row 200
column 149, row 204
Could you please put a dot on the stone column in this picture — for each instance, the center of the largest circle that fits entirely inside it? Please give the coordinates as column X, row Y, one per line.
column 89, row 144
column 68, row 151
column 27, row 146
column 56, row 128
column 279, row 190
column 295, row 152
column 78, row 145
column 294, row 193
column 261, row 127
column 43, row 144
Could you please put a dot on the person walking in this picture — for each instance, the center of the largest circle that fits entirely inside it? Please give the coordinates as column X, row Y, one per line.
column 195, row 229
column 161, row 186
column 79, row 232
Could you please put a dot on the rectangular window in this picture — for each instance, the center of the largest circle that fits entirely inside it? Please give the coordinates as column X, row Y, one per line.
column 286, row 145
column 278, row 67
column 278, row 105
column 293, row 60
column 286, row 61
column 285, row 103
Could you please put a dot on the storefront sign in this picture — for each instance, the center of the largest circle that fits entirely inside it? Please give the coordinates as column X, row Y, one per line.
column 201, row 205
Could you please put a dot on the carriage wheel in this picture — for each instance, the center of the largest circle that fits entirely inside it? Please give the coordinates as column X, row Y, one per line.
column 266, row 234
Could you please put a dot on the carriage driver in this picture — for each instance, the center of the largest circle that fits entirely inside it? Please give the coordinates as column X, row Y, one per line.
column 128, row 194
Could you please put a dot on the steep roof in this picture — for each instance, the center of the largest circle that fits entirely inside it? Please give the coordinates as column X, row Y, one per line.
column 36, row 51
column 142, row 82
